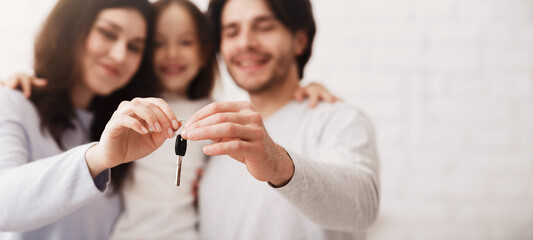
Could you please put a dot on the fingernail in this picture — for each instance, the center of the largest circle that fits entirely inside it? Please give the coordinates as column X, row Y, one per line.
column 145, row 131
column 184, row 133
column 157, row 127
column 170, row 133
column 207, row 149
column 187, row 124
column 175, row 124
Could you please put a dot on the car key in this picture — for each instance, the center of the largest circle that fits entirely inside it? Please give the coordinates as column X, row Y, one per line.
column 180, row 149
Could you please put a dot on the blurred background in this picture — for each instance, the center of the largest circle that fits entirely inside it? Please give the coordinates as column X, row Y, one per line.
column 448, row 85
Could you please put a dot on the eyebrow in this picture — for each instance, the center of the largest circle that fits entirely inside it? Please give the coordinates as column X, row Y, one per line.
column 265, row 19
column 113, row 25
column 257, row 19
column 118, row 28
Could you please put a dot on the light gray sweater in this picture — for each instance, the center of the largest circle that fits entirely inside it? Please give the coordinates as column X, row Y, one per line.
column 46, row 193
column 334, row 193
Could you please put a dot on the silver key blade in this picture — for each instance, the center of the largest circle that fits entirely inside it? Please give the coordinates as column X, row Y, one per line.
column 178, row 171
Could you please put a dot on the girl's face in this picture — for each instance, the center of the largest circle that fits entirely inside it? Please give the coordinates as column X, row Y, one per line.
column 113, row 50
column 177, row 55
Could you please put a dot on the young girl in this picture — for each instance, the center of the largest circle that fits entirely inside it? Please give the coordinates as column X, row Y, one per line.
column 185, row 66
column 50, row 187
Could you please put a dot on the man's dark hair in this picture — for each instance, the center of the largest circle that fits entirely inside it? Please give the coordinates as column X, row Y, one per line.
column 296, row 15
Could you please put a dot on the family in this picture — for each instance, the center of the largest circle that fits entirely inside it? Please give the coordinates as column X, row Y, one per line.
column 88, row 139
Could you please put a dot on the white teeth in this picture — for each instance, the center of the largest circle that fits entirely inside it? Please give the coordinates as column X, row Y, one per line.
column 173, row 70
column 247, row 63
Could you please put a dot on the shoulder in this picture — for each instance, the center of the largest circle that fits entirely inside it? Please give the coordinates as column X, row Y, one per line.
column 13, row 102
column 8, row 94
column 338, row 111
column 336, row 119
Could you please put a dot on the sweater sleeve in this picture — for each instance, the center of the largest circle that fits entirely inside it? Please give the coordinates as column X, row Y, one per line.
column 339, row 189
column 34, row 194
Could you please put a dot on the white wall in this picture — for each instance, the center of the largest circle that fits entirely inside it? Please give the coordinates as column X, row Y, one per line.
column 449, row 86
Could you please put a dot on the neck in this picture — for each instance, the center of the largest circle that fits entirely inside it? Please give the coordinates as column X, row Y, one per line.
column 172, row 95
column 268, row 102
column 81, row 97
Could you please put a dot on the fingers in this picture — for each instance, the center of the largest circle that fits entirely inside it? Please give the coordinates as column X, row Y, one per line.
column 313, row 100
column 326, row 95
column 11, row 82
column 317, row 93
column 166, row 110
column 217, row 118
column 299, row 95
column 133, row 123
column 219, row 107
column 153, row 116
column 25, row 84
column 224, row 131
column 150, row 113
column 162, row 119
column 39, row 82
column 23, row 81
column 228, row 148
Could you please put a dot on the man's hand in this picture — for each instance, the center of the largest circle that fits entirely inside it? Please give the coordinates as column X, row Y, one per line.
column 238, row 131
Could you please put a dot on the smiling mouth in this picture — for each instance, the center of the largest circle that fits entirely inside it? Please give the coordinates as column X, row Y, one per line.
column 173, row 69
column 251, row 61
column 112, row 71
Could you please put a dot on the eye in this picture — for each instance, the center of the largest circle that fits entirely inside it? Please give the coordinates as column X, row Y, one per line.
column 159, row 43
column 264, row 27
column 186, row 42
column 230, row 32
column 107, row 34
column 134, row 48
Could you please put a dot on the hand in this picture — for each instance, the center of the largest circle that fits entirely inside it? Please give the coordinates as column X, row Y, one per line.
column 238, row 131
column 126, row 136
column 23, row 81
column 316, row 93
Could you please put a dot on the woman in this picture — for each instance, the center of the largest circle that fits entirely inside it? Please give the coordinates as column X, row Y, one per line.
column 50, row 186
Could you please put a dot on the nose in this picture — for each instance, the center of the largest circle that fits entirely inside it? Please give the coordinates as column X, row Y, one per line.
column 247, row 39
column 172, row 51
column 118, row 51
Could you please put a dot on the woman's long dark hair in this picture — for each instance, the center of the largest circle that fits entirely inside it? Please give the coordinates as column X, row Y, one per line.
column 202, row 85
column 59, row 49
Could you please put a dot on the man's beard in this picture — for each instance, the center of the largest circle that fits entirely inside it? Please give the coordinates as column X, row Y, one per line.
column 277, row 77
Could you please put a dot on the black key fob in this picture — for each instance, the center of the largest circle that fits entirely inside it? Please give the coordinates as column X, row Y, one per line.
column 181, row 146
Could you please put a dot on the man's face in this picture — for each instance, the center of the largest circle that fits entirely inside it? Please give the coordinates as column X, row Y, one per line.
column 258, row 49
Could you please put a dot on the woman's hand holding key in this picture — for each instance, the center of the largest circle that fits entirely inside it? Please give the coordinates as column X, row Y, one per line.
column 126, row 136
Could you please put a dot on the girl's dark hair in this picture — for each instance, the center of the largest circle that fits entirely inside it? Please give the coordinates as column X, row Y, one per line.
column 296, row 15
column 59, row 49
column 202, row 85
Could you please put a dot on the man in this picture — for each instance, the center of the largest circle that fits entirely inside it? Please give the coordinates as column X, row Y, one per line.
column 320, row 164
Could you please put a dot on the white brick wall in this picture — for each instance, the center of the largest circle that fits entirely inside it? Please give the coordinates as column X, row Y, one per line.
column 449, row 86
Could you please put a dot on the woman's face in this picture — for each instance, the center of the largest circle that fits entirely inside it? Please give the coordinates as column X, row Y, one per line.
column 177, row 55
column 113, row 50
